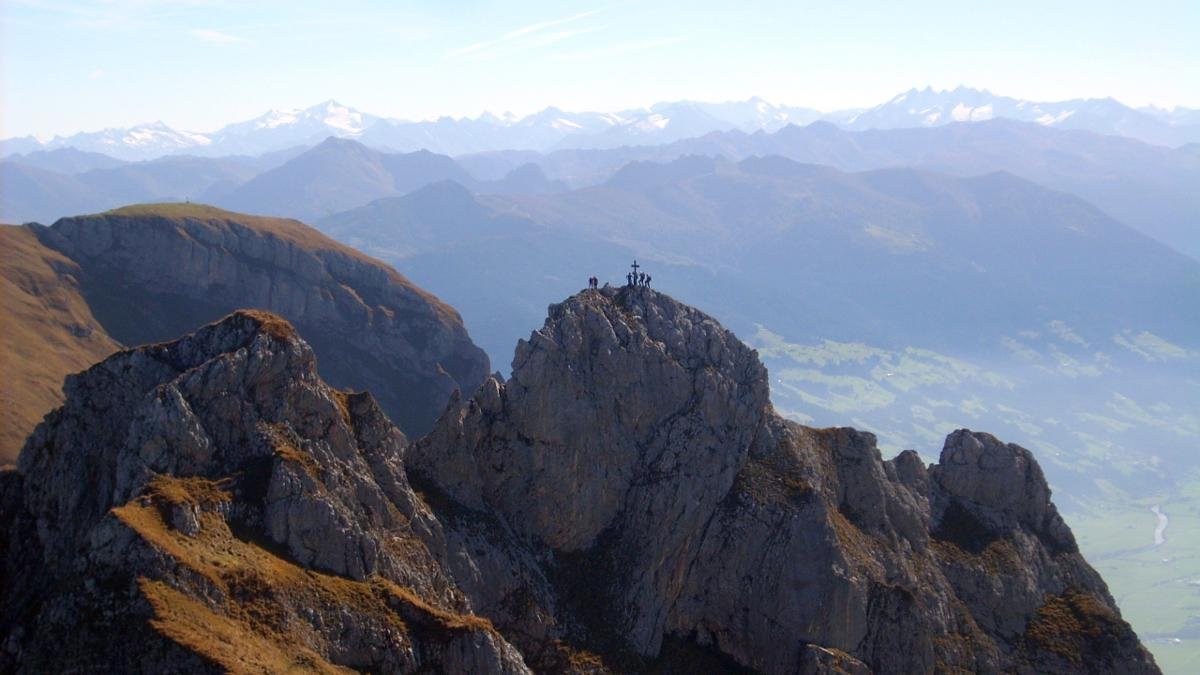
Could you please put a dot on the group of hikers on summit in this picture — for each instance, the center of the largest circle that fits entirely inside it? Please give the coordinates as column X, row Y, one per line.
column 636, row 278
column 632, row 279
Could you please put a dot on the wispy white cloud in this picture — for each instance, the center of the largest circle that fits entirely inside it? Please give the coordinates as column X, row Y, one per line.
column 528, row 30
column 217, row 36
column 96, row 74
column 623, row 48
column 547, row 39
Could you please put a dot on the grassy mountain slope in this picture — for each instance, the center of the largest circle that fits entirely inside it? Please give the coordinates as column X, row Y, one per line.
column 49, row 332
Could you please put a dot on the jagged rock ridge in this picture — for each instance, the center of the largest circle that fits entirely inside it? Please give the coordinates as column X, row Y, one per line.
column 209, row 503
column 627, row 500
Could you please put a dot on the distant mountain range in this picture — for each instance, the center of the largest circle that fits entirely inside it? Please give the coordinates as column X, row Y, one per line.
column 309, row 183
column 926, row 108
column 666, row 122
column 1151, row 188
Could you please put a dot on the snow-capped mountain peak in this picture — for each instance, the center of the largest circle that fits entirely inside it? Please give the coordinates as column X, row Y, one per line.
column 661, row 122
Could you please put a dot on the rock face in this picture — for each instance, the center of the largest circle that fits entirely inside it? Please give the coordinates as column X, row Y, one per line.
column 210, row 504
column 627, row 501
column 635, row 451
column 150, row 273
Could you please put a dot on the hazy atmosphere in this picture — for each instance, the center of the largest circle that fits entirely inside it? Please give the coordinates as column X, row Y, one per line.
column 599, row 338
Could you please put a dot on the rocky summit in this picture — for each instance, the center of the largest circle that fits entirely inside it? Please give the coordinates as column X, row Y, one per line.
column 627, row 501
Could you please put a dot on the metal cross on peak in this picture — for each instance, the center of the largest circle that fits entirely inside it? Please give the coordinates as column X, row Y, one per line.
column 635, row 266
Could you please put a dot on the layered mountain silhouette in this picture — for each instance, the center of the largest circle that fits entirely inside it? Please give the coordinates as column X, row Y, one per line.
column 82, row 287
column 339, row 174
column 627, row 500
column 34, row 192
column 745, row 220
column 1145, row 186
column 300, row 182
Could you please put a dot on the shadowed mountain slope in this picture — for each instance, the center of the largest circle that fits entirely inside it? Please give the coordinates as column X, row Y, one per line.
column 336, row 175
column 148, row 272
column 49, row 331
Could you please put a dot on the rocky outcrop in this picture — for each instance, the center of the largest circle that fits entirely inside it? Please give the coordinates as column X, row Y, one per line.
column 627, row 501
column 635, row 450
column 211, row 504
column 150, row 273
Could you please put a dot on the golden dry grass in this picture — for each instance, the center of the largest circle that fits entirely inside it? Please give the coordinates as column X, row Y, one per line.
column 224, row 641
column 260, row 626
column 1075, row 625
column 193, row 490
column 270, row 323
column 47, row 331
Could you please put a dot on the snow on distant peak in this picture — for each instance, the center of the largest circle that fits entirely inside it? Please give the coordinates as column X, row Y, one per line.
column 158, row 135
column 965, row 113
column 654, row 121
column 344, row 119
column 566, row 125
column 1048, row 120
column 276, row 118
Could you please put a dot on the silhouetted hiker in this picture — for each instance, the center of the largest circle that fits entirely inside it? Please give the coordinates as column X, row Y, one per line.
column 647, row 281
column 641, row 278
column 629, row 279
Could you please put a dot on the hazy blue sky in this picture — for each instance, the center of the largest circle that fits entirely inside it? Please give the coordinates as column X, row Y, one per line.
column 70, row 66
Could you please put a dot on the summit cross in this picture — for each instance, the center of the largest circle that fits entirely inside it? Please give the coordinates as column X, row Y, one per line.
column 635, row 267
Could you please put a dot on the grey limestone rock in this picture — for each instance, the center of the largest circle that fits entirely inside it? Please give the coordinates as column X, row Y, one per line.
column 627, row 501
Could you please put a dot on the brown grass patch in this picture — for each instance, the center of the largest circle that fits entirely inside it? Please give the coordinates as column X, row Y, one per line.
column 194, row 491
column 266, row 599
column 224, row 641
column 1075, row 625
column 998, row 557
column 769, row 481
column 271, row 324
column 342, row 400
column 858, row 546
column 293, row 455
column 47, row 331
